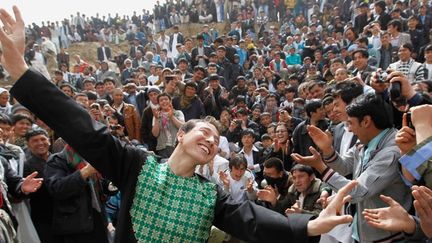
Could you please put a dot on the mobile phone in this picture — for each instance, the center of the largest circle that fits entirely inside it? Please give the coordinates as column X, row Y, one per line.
column 409, row 121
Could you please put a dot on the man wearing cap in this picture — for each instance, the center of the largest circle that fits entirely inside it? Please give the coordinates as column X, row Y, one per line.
column 362, row 19
column 189, row 102
column 240, row 123
column 5, row 107
column 105, row 72
column 147, row 118
column 225, row 63
column 127, row 71
column 214, row 97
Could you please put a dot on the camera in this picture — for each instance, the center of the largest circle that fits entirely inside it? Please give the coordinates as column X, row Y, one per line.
column 238, row 122
column 115, row 127
column 95, row 106
column 382, row 77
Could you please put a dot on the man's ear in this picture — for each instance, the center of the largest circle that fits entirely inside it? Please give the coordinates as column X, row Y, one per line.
column 180, row 136
column 367, row 121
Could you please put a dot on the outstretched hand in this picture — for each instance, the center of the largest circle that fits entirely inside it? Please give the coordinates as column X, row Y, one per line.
column 31, row 184
column 323, row 140
column 393, row 218
column 12, row 38
column 423, row 207
column 332, row 215
column 313, row 160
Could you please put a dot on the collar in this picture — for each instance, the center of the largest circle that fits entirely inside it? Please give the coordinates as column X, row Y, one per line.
column 254, row 149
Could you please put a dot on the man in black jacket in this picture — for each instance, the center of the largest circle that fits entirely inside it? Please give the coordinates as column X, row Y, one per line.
column 78, row 211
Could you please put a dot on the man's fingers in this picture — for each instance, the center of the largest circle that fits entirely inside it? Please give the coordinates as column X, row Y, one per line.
column 404, row 120
column 373, row 222
column 314, row 151
column 388, row 200
column 32, row 175
column 18, row 16
column 424, row 199
column 344, row 219
column 343, row 192
column 6, row 18
column 347, row 199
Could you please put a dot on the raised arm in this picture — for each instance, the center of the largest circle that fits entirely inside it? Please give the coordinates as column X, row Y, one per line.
column 61, row 113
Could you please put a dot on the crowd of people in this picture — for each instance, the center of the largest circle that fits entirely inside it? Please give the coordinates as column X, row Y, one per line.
column 278, row 116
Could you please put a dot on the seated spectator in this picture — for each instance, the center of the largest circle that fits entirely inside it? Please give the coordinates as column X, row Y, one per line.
column 304, row 194
column 274, row 187
column 238, row 125
column 252, row 154
column 214, row 97
column 189, row 102
column 21, row 125
column 238, row 181
column 282, row 145
column 407, row 65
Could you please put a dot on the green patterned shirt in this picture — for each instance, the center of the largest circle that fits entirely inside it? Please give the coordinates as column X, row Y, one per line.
column 170, row 208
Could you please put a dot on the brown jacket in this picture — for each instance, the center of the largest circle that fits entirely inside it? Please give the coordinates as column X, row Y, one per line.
column 132, row 121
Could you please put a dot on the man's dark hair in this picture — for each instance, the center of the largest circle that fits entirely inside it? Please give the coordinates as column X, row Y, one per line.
column 395, row 23
column 337, row 59
column 109, row 79
column 199, row 68
column 312, row 106
column 5, row 119
column 363, row 40
column 212, row 64
column 248, row 131
column 321, row 84
column 274, row 162
column 162, row 95
column 408, row 46
column 91, row 95
column 237, row 161
column 428, row 48
column 303, row 168
column 347, row 91
column 67, row 85
column 328, row 99
column 99, row 84
column 34, row 132
column 363, row 52
column 18, row 117
column 79, row 94
column 373, row 106
column 428, row 83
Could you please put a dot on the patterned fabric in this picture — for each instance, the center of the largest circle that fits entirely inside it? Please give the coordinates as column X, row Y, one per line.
column 74, row 160
column 170, row 208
